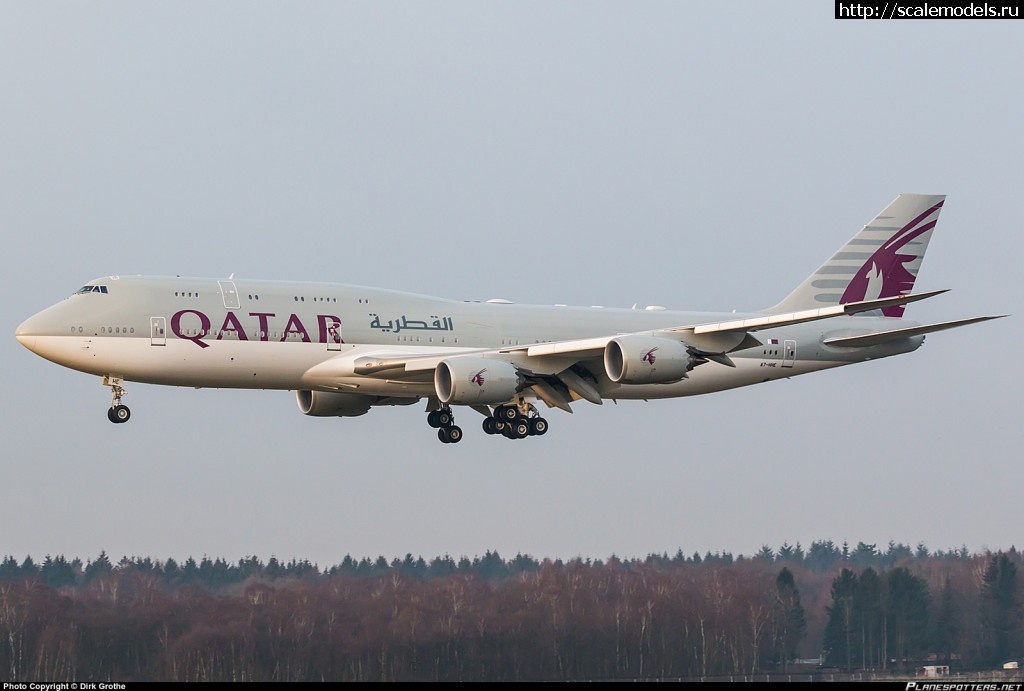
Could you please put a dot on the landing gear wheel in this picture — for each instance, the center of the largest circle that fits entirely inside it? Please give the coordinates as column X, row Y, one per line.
column 520, row 429
column 116, row 413
column 442, row 417
column 119, row 413
column 538, row 426
column 508, row 413
column 489, row 425
column 450, row 435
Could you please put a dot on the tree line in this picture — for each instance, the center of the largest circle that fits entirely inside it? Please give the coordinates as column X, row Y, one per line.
column 492, row 619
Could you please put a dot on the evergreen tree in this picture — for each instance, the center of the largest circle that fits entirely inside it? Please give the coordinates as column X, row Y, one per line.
column 906, row 615
column 822, row 555
column 839, row 631
column 171, row 570
column 792, row 624
column 9, row 569
column 869, row 603
column 948, row 623
column 1000, row 610
column 189, row 571
column 57, row 573
column 864, row 555
column 442, row 566
column 29, row 569
column 100, row 567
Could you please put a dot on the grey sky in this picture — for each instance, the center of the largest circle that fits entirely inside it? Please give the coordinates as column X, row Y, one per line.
column 689, row 155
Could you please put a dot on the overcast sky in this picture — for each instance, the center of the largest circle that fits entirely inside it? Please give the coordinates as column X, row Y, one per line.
column 692, row 155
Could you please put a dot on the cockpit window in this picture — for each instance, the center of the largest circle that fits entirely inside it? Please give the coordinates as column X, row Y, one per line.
column 91, row 289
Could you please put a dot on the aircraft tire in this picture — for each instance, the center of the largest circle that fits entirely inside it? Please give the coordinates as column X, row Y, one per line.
column 489, row 425
column 119, row 414
column 432, row 418
column 538, row 426
column 454, row 434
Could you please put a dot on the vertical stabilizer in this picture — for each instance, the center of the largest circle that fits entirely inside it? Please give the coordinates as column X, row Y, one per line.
column 880, row 261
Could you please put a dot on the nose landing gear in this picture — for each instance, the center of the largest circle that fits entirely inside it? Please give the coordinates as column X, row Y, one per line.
column 117, row 413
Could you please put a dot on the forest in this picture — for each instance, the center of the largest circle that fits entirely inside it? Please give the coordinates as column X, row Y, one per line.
column 780, row 611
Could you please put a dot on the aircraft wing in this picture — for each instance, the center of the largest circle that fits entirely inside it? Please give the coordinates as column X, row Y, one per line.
column 594, row 347
column 550, row 368
column 726, row 336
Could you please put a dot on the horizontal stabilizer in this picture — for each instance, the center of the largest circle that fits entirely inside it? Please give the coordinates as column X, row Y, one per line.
column 881, row 337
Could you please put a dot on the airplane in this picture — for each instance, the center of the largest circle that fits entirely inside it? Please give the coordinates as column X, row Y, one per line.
column 346, row 349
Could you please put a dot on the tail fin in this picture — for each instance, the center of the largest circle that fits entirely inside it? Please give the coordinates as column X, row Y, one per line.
column 880, row 261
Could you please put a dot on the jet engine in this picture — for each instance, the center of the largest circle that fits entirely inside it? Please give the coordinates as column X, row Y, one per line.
column 330, row 404
column 470, row 380
column 646, row 360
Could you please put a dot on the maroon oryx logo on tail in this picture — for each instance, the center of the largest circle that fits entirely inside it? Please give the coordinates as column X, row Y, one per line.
column 649, row 356
column 884, row 274
column 478, row 378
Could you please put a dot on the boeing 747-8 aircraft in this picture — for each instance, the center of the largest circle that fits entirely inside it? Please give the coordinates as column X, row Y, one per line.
column 345, row 349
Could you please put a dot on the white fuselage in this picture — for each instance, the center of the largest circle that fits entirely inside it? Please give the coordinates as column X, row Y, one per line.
column 287, row 335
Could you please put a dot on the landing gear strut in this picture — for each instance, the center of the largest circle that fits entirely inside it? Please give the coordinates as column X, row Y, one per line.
column 443, row 419
column 117, row 413
column 516, row 421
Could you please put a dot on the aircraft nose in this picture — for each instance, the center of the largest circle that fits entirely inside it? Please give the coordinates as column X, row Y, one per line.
column 26, row 333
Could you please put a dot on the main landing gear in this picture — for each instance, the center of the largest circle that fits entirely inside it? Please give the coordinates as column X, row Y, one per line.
column 118, row 413
column 443, row 419
column 516, row 421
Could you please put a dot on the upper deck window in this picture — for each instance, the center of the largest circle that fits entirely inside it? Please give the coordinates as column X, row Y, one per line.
column 91, row 289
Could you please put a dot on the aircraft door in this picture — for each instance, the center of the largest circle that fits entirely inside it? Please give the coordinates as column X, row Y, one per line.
column 229, row 294
column 158, row 331
column 789, row 353
column 334, row 336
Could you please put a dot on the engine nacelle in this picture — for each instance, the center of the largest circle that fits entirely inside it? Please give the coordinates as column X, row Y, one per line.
column 646, row 360
column 331, row 404
column 471, row 380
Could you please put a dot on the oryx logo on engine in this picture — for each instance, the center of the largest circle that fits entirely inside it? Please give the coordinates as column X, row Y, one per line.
column 478, row 378
column 649, row 356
